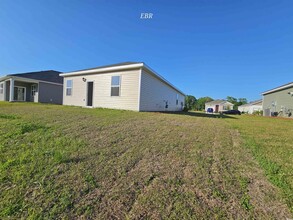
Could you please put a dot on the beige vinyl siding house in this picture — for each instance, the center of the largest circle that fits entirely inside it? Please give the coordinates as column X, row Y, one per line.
column 279, row 101
column 219, row 105
column 129, row 90
column 128, row 86
column 156, row 94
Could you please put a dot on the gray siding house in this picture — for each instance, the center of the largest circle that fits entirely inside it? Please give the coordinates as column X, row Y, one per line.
column 43, row 86
column 279, row 101
column 129, row 86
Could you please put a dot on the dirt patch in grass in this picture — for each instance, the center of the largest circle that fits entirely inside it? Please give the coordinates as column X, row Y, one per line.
column 109, row 164
column 270, row 143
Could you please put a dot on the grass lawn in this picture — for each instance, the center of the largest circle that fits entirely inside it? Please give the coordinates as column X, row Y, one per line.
column 77, row 163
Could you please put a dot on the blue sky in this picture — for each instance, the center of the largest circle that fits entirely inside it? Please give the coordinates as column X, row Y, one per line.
column 213, row 48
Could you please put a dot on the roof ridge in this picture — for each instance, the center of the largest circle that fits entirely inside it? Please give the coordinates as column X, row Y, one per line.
column 277, row 88
column 106, row 66
column 44, row 75
column 121, row 66
column 33, row 72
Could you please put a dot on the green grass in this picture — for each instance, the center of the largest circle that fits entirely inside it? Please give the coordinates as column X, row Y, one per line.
column 70, row 162
column 271, row 142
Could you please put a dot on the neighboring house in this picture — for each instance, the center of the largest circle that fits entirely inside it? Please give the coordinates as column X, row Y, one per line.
column 129, row 86
column 43, row 86
column 219, row 105
column 279, row 101
column 251, row 107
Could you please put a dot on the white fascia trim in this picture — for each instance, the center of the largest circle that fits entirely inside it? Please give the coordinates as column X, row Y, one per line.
column 106, row 69
column 58, row 84
column 279, row 88
column 122, row 67
column 229, row 103
column 23, row 79
column 220, row 103
column 4, row 78
column 162, row 78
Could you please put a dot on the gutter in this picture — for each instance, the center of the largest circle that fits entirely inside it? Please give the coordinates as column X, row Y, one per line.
column 123, row 67
column 288, row 85
column 106, row 69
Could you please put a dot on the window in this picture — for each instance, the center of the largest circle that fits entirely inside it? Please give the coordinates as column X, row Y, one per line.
column 177, row 99
column 69, row 87
column 1, row 88
column 115, row 86
column 34, row 90
column 226, row 107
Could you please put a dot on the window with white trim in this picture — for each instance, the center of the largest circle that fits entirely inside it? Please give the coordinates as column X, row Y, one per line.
column 34, row 89
column 226, row 107
column 177, row 99
column 1, row 88
column 115, row 86
column 69, row 87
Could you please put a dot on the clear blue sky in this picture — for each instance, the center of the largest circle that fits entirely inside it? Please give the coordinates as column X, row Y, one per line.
column 204, row 47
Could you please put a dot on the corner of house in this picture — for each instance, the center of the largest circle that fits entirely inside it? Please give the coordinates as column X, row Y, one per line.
column 139, row 88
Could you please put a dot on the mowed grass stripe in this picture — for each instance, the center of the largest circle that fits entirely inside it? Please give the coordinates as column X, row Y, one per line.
column 271, row 143
column 108, row 164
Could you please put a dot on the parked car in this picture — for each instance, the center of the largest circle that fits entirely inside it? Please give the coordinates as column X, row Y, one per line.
column 210, row 110
column 232, row 112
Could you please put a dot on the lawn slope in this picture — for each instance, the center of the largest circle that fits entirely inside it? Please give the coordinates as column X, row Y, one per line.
column 270, row 140
column 69, row 162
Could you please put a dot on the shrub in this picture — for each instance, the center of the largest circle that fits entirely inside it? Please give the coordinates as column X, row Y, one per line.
column 258, row 112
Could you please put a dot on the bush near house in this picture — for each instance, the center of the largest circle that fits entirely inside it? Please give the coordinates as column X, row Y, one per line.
column 258, row 112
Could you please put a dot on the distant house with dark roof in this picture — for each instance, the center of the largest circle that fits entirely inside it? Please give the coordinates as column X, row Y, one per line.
column 43, row 86
column 251, row 107
column 219, row 105
column 279, row 101
column 130, row 86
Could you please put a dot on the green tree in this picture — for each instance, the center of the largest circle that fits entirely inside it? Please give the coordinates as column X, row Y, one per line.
column 231, row 99
column 242, row 101
column 200, row 104
column 236, row 102
column 190, row 102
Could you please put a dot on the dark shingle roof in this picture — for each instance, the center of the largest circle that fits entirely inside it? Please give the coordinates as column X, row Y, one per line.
column 48, row 76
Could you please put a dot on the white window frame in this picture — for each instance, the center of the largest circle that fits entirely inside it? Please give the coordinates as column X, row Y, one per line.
column 69, row 87
column 115, row 86
column 22, row 87
column 1, row 88
column 177, row 99
column 33, row 90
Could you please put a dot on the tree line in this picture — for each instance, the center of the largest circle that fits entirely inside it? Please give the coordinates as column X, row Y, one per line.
column 192, row 103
